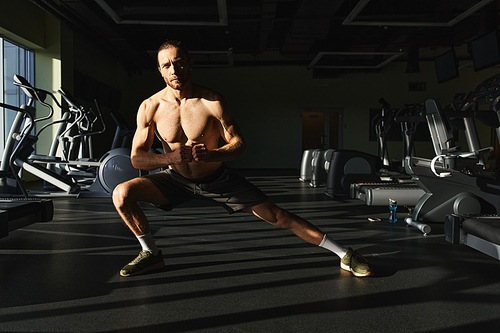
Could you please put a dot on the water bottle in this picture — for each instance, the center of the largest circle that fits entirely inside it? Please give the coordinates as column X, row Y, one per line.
column 393, row 210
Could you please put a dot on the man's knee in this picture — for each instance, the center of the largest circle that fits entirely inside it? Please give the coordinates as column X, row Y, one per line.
column 127, row 192
column 137, row 190
column 120, row 193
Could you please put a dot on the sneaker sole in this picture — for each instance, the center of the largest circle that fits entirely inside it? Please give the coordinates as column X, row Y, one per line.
column 360, row 275
column 154, row 267
column 347, row 268
column 344, row 266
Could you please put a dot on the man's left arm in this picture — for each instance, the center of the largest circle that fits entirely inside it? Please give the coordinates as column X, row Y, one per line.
column 229, row 131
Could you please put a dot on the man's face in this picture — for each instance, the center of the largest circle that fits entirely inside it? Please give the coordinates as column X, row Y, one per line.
column 175, row 67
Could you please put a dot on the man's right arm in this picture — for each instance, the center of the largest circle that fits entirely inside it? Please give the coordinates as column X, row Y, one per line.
column 143, row 140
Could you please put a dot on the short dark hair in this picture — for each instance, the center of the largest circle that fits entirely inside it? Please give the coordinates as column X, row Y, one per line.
column 172, row 43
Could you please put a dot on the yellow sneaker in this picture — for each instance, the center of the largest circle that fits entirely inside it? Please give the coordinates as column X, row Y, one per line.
column 144, row 262
column 355, row 263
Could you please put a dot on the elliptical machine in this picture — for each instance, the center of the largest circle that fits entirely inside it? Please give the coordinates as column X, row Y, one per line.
column 352, row 166
column 73, row 137
column 113, row 168
column 16, row 208
column 405, row 191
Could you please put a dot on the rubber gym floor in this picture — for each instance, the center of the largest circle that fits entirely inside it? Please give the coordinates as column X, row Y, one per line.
column 234, row 273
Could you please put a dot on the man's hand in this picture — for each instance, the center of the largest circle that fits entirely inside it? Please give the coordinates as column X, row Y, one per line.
column 199, row 152
column 182, row 155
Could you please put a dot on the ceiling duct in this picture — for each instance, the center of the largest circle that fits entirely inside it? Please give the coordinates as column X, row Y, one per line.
column 341, row 60
column 221, row 8
column 350, row 19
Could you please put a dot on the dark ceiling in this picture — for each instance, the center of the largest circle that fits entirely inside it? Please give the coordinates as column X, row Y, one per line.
column 328, row 35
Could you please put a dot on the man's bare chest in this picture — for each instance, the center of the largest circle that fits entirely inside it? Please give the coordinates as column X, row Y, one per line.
column 183, row 123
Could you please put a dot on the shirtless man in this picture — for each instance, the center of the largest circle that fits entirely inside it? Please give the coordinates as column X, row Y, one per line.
column 189, row 120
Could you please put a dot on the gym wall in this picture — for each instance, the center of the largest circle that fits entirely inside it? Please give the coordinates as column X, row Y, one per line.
column 266, row 103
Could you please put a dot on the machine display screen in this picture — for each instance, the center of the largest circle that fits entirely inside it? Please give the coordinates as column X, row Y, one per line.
column 485, row 51
column 446, row 66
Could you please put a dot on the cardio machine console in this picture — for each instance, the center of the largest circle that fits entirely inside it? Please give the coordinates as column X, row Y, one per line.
column 487, row 91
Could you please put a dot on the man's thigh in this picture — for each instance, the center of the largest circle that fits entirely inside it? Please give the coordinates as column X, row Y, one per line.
column 143, row 189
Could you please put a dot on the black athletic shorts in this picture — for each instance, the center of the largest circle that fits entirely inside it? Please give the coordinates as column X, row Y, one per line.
column 224, row 186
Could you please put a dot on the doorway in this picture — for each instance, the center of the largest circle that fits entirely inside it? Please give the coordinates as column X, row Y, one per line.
column 321, row 128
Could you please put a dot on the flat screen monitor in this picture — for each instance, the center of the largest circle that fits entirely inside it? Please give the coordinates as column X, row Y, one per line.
column 446, row 66
column 485, row 51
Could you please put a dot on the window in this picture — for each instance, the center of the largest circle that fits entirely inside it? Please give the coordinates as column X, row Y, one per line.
column 15, row 60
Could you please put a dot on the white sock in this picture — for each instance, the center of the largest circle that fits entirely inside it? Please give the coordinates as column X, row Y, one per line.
column 333, row 246
column 148, row 243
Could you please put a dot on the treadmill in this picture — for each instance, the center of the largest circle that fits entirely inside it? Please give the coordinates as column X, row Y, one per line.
column 21, row 212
